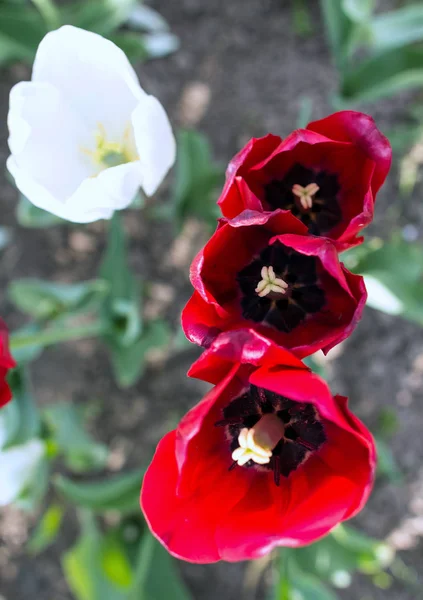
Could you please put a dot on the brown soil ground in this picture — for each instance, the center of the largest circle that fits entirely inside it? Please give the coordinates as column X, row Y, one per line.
column 256, row 70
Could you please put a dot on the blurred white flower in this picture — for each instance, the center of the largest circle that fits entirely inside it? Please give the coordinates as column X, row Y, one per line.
column 17, row 468
column 84, row 136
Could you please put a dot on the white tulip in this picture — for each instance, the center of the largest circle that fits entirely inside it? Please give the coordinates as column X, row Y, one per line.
column 84, row 135
column 18, row 465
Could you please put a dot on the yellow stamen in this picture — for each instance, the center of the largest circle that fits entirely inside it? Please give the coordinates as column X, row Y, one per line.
column 305, row 194
column 111, row 154
column 270, row 283
column 257, row 443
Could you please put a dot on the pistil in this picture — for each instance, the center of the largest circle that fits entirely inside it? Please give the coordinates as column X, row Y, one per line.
column 111, row 154
column 270, row 283
column 257, row 443
column 305, row 194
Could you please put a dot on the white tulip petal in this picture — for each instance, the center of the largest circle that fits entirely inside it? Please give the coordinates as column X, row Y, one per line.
column 17, row 466
column 93, row 74
column 46, row 140
column 155, row 142
column 96, row 197
column 113, row 189
column 83, row 111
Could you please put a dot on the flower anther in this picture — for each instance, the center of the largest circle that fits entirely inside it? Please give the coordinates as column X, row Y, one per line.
column 257, row 443
column 112, row 154
column 270, row 283
column 305, row 194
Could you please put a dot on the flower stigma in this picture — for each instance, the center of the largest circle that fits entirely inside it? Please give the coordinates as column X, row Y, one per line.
column 270, row 283
column 305, row 194
column 257, row 443
column 112, row 154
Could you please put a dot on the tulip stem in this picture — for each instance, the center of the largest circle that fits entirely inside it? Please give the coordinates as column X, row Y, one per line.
column 49, row 12
column 56, row 335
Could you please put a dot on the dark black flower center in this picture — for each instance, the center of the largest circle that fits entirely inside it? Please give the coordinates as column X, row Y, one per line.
column 281, row 306
column 321, row 212
column 303, row 431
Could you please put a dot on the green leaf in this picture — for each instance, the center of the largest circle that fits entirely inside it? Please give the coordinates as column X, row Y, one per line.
column 397, row 28
column 122, row 307
column 24, row 417
column 372, row 555
column 301, row 18
column 129, row 361
column 160, row 44
column 21, row 30
column 383, row 75
column 381, row 298
column 28, row 353
column 156, row 577
column 145, row 18
column 308, row 587
column 315, row 365
column 397, row 267
column 197, row 180
column 114, row 560
column 49, row 12
column 133, row 45
column 358, row 10
column 298, row 584
column 5, row 236
column 20, row 469
column 119, row 492
column 47, row 529
column 45, row 301
column 32, row 496
column 29, row 215
column 338, row 29
column 328, row 560
column 66, row 427
column 386, row 464
column 83, row 568
column 305, row 112
column 100, row 16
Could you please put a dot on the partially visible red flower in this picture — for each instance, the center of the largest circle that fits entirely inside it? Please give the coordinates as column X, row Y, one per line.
column 313, row 303
column 6, row 363
column 268, row 458
column 327, row 175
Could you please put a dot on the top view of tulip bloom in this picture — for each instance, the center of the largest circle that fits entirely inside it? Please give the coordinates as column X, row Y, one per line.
column 268, row 458
column 84, row 135
column 327, row 175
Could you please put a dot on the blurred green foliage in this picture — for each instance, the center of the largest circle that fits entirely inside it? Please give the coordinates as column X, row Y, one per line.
column 376, row 54
column 198, row 181
column 23, row 24
column 311, row 573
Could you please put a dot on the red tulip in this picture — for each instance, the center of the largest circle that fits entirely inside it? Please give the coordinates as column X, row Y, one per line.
column 327, row 175
column 6, row 363
column 268, row 458
column 290, row 288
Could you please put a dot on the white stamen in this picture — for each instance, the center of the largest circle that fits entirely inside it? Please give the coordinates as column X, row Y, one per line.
column 257, row 443
column 270, row 283
column 305, row 194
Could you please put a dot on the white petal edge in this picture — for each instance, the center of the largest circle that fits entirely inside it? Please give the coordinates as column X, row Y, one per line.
column 17, row 466
column 94, row 75
column 96, row 198
column 46, row 140
column 155, row 142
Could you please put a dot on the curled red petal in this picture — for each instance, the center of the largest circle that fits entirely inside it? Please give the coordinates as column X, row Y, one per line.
column 361, row 130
